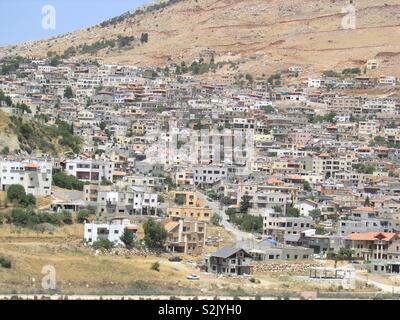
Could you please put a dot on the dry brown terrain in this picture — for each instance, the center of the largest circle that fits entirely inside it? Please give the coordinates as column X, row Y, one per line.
column 80, row 271
column 261, row 36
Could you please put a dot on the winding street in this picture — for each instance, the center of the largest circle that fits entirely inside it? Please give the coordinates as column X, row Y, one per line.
column 215, row 206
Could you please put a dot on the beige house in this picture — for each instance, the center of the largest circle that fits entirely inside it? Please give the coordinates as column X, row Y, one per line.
column 186, row 236
column 187, row 205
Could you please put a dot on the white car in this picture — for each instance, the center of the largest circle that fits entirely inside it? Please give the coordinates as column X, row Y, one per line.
column 193, row 277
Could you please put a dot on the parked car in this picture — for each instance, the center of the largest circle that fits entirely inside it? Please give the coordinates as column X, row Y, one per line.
column 193, row 277
column 175, row 259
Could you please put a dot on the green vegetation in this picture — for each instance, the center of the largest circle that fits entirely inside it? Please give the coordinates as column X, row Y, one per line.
column 155, row 266
column 10, row 65
column 268, row 109
column 274, row 79
column 198, row 67
column 28, row 218
column 60, row 179
column 128, row 239
column 129, row 15
column 331, row 74
column 5, row 151
column 16, row 194
column 246, row 222
column 245, row 204
column 169, row 182
column 365, row 169
column 154, row 234
column 307, row 186
column 327, row 118
column 144, row 37
column 315, row 214
column 68, row 93
column 23, row 107
column 105, row 182
column 216, row 219
column 293, row 212
column 5, row 263
column 228, row 201
column 103, row 244
column 351, row 71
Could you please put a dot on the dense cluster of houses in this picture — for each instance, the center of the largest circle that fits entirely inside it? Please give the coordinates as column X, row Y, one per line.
column 320, row 167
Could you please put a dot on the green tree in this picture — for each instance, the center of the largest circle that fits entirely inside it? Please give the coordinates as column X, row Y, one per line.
column 128, row 238
column 83, row 215
column 367, row 202
column 245, row 204
column 103, row 244
column 144, row 38
column 307, row 186
column 15, row 193
column 103, row 125
column 68, row 93
column 154, row 234
column 315, row 214
column 293, row 212
column 5, row 151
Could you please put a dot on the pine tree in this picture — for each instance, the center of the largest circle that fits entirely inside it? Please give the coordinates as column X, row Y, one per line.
column 127, row 238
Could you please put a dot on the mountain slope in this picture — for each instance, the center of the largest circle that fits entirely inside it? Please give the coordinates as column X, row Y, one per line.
column 261, row 36
column 34, row 137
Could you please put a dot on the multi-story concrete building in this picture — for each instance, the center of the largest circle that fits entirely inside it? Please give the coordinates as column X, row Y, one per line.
column 34, row 176
column 381, row 249
column 90, row 170
column 111, row 231
column 285, row 229
column 229, row 261
column 186, row 236
column 112, row 201
column 209, row 174
column 187, row 205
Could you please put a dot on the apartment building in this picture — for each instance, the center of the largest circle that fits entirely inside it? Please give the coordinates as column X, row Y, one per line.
column 328, row 165
column 269, row 199
column 186, row 236
column 112, row 201
column 381, row 249
column 285, row 229
column 112, row 231
column 185, row 204
column 367, row 128
column 90, row 170
column 34, row 176
column 362, row 220
column 209, row 174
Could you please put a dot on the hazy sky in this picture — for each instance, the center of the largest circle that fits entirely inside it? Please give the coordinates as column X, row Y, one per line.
column 21, row 20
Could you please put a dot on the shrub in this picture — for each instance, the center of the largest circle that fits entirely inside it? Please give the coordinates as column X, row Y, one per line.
column 62, row 180
column 103, row 244
column 5, row 263
column 83, row 215
column 155, row 266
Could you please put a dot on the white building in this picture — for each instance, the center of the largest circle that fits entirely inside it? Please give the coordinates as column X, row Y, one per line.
column 90, row 170
column 111, row 231
column 34, row 176
column 209, row 174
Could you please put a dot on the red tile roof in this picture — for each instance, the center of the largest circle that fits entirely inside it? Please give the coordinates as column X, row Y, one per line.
column 371, row 236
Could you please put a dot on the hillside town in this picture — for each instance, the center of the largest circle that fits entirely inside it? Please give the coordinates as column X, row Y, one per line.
column 294, row 168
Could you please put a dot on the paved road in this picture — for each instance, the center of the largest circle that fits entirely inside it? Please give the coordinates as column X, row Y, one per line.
column 216, row 207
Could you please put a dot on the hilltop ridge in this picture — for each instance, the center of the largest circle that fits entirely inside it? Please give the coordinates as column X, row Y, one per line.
column 259, row 37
